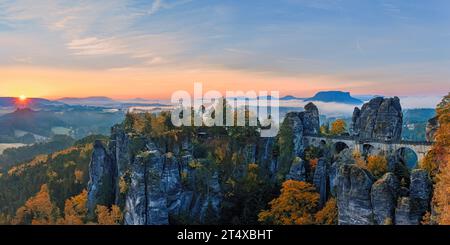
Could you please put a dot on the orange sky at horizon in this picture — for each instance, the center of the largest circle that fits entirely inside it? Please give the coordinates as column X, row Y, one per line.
column 130, row 83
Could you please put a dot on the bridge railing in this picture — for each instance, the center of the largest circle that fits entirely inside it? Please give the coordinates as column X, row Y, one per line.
column 363, row 141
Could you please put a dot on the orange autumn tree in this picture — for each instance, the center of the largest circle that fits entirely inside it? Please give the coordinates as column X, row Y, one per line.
column 75, row 210
column 439, row 160
column 377, row 165
column 296, row 205
column 38, row 210
column 329, row 214
column 338, row 127
column 106, row 216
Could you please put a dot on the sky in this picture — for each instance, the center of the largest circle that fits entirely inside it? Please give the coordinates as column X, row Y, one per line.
column 150, row 49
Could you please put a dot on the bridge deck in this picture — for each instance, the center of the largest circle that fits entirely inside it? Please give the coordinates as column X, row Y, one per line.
column 346, row 137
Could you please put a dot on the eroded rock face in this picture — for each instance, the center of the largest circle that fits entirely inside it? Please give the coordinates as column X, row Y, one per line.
column 145, row 180
column 151, row 185
column 320, row 180
column 332, row 177
column 102, row 177
column 410, row 210
column 294, row 122
column 384, row 198
column 420, row 193
column 432, row 126
column 354, row 126
column 310, row 118
column 135, row 212
column 353, row 185
column 297, row 171
column 403, row 212
column 344, row 157
column 379, row 119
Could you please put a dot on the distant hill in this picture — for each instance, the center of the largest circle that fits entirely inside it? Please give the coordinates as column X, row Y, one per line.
column 98, row 100
column 30, row 121
column 76, row 121
column 290, row 97
column 31, row 102
column 335, row 96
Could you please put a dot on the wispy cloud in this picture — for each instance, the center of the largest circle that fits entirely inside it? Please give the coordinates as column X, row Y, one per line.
column 349, row 45
column 156, row 5
column 95, row 29
column 96, row 46
column 22, row 60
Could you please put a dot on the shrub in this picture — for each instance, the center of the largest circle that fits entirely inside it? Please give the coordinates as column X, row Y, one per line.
column 329, row 214
column 377, row 165
column 338, row 127
column 296, row 205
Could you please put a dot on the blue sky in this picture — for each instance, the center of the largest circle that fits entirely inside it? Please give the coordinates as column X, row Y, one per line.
column 377, row 46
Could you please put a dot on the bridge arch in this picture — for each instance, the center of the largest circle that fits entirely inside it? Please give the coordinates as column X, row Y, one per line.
column 418, row 147
column 339, row 146
column 368, row 149
column 407, row 156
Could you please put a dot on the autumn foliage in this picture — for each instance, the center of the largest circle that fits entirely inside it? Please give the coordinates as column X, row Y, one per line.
column 108, row 216
column 377, row 165
column 338, row 127
column 75, row 210
column 439, row 158
column 38, row 210
column 329, row 214
column 296, row 205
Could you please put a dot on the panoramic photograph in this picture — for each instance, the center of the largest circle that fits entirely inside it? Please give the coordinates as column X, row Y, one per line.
column 188, row 115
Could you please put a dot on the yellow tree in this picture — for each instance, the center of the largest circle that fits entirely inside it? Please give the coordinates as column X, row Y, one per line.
column 106, row 216
column 75, row 210
column 78, row 176
column 439, row 158
column 329, row 214
column 338, row 127
column 296, row 205
column 377, row 165
column 38, row 210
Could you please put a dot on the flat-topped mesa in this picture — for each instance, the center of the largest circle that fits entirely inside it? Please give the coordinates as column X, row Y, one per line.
column 379, row 119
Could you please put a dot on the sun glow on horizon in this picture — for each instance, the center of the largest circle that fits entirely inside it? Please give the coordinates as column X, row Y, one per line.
column 22, row 97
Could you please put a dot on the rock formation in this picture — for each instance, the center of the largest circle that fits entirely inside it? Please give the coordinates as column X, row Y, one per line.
column 293, row 120
column 379, row 119
column 320, row 180
column 298, row 170
column 154, row 181
column 432, row 126
column 146, row 181
column 310, row 119
column 384, row 199
column 353, row 194
column 102, row 177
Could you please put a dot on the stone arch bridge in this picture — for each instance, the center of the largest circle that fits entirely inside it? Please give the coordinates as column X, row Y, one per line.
column 420, row 148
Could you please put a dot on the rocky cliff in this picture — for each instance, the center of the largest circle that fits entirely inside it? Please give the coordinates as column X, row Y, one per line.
column 145, row 180
column 193, row 176
column 379, row 119
column 362, row 200
column 102, row 178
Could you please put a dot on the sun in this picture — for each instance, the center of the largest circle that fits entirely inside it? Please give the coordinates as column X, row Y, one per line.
column 22, row 98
